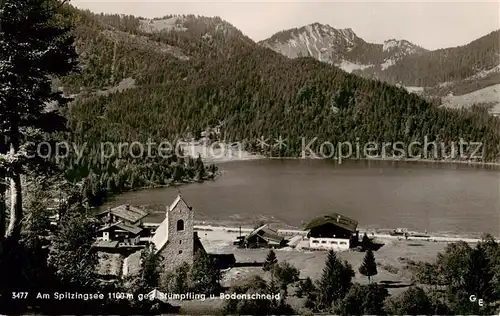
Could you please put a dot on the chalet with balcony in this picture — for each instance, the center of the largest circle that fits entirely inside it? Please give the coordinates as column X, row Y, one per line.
column 334, row 231
column 122, row 232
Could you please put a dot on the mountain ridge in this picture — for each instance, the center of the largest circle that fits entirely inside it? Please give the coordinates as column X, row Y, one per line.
column 436, row 73
column 248, row 90
column 337, row 46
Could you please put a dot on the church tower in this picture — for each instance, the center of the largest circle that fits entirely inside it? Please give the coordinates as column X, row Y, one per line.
column 174, row 239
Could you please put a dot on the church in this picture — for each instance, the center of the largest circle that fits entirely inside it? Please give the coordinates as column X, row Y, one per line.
column 175, row 239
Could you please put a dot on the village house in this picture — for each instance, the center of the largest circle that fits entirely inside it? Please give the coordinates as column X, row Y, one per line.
column 122, row 229
column 126, row 213
column 174, row 238
column 263, row 236
column 333, row 231
column 121, row 232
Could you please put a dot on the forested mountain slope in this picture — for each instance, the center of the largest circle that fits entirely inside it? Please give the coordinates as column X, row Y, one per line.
column 443, row 65
column 458, row 70
column 253, row 91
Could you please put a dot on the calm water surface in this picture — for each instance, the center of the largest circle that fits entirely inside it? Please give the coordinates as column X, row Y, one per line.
column 419, row 196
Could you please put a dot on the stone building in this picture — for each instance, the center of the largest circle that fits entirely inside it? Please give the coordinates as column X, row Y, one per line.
column 175, row 238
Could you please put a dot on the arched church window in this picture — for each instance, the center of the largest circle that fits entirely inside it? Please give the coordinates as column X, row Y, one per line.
column 180, row 225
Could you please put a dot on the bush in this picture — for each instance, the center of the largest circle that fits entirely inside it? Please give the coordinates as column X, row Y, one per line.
column 204, row 276
column 362, row 300
column 391, row 269
column 255, row 285
column 306, row 289
column 286, row 274
column 413, row 301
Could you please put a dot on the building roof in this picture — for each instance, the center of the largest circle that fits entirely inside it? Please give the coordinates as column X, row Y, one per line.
column 154, row 218
column 123, row 226
column 130, row 228
column 266, row 233
column 176, row 202
column 127, row 212
column 160, row 238
column 335, row 219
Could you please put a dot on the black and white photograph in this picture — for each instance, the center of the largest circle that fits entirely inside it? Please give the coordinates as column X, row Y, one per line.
column 263, row 157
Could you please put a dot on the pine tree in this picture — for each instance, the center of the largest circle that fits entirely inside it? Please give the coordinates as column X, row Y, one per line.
column 270, row 262
column 369, row 266
column 35, row 47
column 204, row 275
column 147, row 279
column 365, row 242
column 178, row 173
column 335, row 280
column 151, row 265
column 200, row 174
column 270, row 265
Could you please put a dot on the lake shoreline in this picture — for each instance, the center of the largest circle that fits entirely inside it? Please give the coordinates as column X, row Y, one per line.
column 377, row 233
column 287, row 195
column 421, row 161
column 227, row 153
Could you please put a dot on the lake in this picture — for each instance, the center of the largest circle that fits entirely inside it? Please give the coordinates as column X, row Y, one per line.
column 445, row 198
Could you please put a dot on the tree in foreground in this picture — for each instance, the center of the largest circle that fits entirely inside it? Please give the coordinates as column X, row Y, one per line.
column 270, row 262
column 148, row 277
column 259, row 306
column 306, row 288
column 204, row 276
column 23, row 267
column 369, row 266
column 146, row 280
column 36, row 46
column 465, row 270
column 286, row 274
column 74, row 261
column 362, row 300
column 271, row 265
column 176, row 281
column 72, row 255
column 335, row 281
column 413, row 301
column 460, row 271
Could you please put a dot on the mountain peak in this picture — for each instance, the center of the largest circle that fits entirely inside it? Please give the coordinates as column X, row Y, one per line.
column 393, row 44
column 320, row 41
column 348, row 32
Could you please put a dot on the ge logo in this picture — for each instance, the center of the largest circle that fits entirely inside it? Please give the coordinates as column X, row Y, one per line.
column 479, row 301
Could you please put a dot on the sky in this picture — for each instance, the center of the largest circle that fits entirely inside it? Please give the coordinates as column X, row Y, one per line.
column 427, row 23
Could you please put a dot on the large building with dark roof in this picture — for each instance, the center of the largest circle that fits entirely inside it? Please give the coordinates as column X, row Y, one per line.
column 126, row 213
column 334, row 231
column 124, row 233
